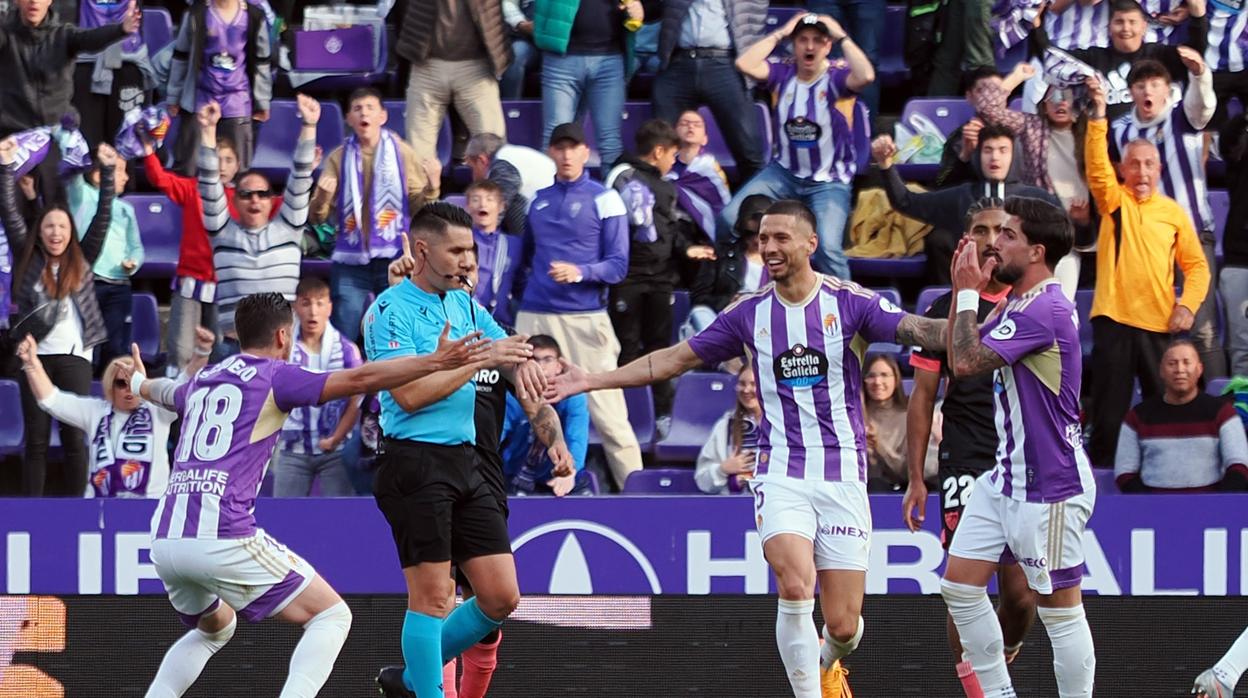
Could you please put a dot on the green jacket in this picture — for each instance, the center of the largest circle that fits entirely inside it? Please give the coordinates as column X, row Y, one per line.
column 552, row 28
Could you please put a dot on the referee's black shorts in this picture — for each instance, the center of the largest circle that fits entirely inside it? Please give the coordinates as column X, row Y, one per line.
column 438, row 503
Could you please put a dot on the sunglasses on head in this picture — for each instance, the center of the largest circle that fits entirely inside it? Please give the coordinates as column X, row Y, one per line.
column 255, row 193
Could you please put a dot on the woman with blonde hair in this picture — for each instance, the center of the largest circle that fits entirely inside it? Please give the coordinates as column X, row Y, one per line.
column 128, row 435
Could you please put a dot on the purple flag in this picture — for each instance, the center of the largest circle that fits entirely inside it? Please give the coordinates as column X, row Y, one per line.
column 1012, row 21
column 701, row 191
column 153, row 121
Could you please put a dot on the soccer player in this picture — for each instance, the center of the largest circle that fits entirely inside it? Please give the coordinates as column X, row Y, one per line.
column 1039, row 496
column 430, row 484
column 1219, row 682
column 803, row 334
column 213, row 559
column 969, row 446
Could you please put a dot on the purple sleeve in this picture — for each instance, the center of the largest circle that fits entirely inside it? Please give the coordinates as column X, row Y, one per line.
column 839, row 80
column 1014, row 335
column 778, row 72
column 351, row 355
column 295, row 386
column 877, row 316
column 722, row 339
column 179, row 396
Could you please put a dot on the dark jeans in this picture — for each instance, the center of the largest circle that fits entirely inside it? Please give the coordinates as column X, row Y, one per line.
column 965, row 44
column 103, row 115
column 864, row 20
column 115, row 302
column 349, row 286
column 1120, row 355
column 642, row 317
column 688, row 83
column 71, row 374
column 240, row 131
column 1227, row 85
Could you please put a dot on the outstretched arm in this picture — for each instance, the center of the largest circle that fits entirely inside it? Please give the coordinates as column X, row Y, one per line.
column 923, row 332
column 654, row 367
column 392, row 373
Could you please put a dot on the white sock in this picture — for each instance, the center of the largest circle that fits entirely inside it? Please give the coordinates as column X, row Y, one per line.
column 1074, row 657
column 1232, row 665
column 833, row 649
column 186, row 659
column 982, row 644
column 314, row 656
column 799, row 646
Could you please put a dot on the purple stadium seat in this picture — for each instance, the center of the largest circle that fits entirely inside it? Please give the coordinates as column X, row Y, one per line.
column 640, row 403
column 701, row 399
column 681, row 305
column 458, row 199
column 1220, row 204
column 315, row 267
column 13, row 427
column 1217, row 385
column 396, row 120
column 661, row 481
column 594, row 487
column 897, row 268
column 927, row 296
column 907, row 385
column 277, row 137
column 777, row 17
column 717, row 146
column 348, row 81
column 946, row 112
column 145, row 325
column 524, row 122
column 1083, row 303
column 892, row 70
column 892, row 294
column 1017, row 54
column 160, row 227
column 635, row 114
column 157, row 29
column 763, row 112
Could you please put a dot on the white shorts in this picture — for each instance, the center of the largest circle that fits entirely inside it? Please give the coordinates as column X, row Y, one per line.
column 1045, row 539
column 257, row 576
column 835, row 516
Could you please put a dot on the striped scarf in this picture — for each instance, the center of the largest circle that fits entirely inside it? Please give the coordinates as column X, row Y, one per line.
column 701, row 191
column 387, row 208
column 1012, row 21
column 122, row 468
column 305, row 426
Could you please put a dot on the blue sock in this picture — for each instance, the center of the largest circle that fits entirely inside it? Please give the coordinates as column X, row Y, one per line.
column 464, row 628
column 422, row 652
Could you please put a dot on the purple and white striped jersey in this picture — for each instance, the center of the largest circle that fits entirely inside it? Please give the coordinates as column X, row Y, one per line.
column 1182, row 149
column 1040, row 455
column 807, row 358
column 1225, row 53
column 1079, row 26
column 814, row 136
column 232, row 414
column 1159, row 33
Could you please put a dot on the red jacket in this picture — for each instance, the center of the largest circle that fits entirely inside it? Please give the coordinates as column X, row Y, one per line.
column 195, row 256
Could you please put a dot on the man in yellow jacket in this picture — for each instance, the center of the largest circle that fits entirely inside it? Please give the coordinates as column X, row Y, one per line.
column 1135, row 311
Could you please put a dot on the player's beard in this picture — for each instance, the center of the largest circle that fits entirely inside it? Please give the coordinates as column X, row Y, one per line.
column 1008, row 274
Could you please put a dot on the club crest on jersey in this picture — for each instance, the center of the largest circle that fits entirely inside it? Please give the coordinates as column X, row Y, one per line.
column 1003, row 331
column 829, row 324
column 574, row 209
column 801, row 367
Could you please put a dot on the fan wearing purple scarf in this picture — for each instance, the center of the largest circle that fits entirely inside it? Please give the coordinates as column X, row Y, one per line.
column 367, row 189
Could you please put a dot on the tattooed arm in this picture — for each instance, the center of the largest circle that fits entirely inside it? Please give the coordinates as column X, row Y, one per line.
column 549, row 431
column 920, row 331
column 967, row 355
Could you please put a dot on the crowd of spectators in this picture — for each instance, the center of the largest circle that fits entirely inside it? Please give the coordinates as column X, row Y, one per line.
column 1127, row 114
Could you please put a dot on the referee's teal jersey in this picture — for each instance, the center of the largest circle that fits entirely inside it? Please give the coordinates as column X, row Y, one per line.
column 406, row 321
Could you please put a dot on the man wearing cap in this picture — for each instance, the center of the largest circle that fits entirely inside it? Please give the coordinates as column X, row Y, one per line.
column 814, row 115
column 575, row 248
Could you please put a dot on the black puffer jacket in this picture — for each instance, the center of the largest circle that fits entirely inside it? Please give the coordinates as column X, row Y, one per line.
column 27, row 294
column 39, row 69
column 651, row 262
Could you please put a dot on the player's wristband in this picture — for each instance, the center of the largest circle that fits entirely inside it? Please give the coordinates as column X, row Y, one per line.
column 968, row 299
column 136, row 382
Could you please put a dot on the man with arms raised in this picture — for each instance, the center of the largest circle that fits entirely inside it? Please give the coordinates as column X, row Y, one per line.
column 804, row 334
column 213, row 559
column 1038, row 497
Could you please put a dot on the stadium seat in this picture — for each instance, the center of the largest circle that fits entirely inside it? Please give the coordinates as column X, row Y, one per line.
column 661, row 481
column 396, row 120
column 947, row 113
column 1083, row 303
column 524, row 122
column 458, row 199
column 892, row 294
column 1217, row 385
column 145, row 325
column 717, row 146
column 160, row 227
column 635, row 114
column 348, row 81
column 907, row 386
column 862, row 135
column 277, row 137
column 927, row 296
column 594, row 487
column 1220, row 204
column 157, row 29
column 640, row 403
column 681, row 305
column 13, row 427
column 896, row 268
column 892, row 70
column 701, row 399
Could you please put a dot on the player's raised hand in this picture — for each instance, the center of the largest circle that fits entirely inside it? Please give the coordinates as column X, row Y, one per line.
column 510, row 350
column 914, row 505
column 454, row 353
column 565, row 465
column 572, row 381
column 309, row 109
column 967, row 273
column 403, row 267
column 530, row 381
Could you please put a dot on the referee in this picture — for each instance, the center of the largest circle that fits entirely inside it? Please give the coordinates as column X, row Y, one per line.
column 430, row 485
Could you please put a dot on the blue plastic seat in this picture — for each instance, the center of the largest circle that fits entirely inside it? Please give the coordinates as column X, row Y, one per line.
column 640, row 403
column 948, row 114
column 12, row 427
column 701, row 399
column 145, row 325
column 896, row 268
column 275, row 142
column 157, row 29
column 661, row 481
column 524, row 122
column 927, row 296
column 160, row 227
